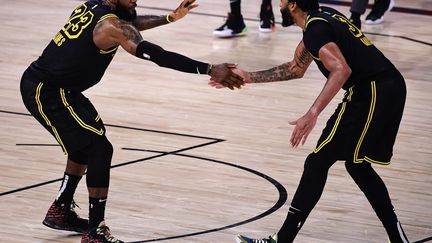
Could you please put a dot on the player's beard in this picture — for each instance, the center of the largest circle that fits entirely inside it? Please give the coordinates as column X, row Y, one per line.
column 287, row 18
column 125, row 14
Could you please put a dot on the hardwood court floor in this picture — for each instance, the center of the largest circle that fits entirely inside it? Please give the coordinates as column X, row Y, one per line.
column 196, row 164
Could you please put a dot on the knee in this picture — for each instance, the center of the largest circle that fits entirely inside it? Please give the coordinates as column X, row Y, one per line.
column 108, row 148
column 312, row 163
column 103, row 149
column 356, row 168
column 99, row 163
column 351, row 167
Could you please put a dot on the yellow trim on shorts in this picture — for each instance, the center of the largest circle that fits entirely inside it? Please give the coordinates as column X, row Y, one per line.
column 76, row 117
column 333, row 131
column 365, row 129
column 350, row 90
column 40, row 109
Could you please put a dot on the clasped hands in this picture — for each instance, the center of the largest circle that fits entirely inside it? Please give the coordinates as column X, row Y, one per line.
column 227, row 75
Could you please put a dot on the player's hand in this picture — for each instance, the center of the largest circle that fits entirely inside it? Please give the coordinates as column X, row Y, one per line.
column 224, row 75
column 302, row 129
column 245, row 75
column 182, row 10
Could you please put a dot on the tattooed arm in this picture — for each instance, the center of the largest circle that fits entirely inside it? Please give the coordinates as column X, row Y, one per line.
column 146, row 22
column 290, row 70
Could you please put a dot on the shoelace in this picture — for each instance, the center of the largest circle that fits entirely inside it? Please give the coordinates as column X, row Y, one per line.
column 72, row 212
column 263, row 240
column 74, row 205
column 105, row 231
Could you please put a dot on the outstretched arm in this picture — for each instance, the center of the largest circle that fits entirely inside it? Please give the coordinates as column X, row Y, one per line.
column 114, row 32
column 145, row 22
column 289, row 70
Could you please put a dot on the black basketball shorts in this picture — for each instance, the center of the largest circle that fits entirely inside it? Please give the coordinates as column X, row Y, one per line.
column 365, row 124
column 69, row 116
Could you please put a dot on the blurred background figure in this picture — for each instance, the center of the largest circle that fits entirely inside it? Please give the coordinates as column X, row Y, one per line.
column 235, row 26
column 376, row 15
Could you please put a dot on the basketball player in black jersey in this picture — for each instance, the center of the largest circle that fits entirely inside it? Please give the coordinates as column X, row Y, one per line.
column 362, row 130
column 75, row 60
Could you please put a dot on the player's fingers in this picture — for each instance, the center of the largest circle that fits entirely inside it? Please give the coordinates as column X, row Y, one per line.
column 235, row 78
column 216, row 84
column 193, row 6
column 234, row 83
column 231, row 65
column 298, row 135
column 227, row 84
column 304, row 139
column 293, row 137
column 190, row 4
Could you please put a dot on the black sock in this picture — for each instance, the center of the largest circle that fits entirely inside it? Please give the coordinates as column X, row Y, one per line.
column 292, row 225
column 266, row 3
column 235, row 8
column 67, row 189
column 266, row 8
column 96, row 211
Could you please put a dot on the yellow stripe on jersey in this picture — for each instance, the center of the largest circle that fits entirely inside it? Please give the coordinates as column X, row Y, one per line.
column 308, row 20
column 108, row 51
column 106, row 16
column 110, row 15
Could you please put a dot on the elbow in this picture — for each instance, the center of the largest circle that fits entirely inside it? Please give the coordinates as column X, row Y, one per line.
column 300, row 73
column 346, row 72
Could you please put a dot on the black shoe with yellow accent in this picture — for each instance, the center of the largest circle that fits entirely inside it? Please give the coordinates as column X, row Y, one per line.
column 65, row 218
column 101, row 234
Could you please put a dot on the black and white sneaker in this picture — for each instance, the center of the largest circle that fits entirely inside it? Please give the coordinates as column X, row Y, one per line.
column 267, row 20
column 376, row 16
column 233, row 26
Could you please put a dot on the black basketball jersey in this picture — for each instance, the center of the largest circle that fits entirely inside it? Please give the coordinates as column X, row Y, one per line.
column 328, row 25
column 71, row 60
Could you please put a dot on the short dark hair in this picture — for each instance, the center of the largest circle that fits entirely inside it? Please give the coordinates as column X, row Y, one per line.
column 306, row 5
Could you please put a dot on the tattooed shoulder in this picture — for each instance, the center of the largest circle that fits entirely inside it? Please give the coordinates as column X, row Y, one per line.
column 129, row 31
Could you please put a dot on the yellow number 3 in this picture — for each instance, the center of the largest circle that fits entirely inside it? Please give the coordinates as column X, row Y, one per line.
column 79, row 20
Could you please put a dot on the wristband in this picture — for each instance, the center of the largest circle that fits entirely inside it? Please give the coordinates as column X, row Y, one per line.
column 209, row 68
column 167, row 19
